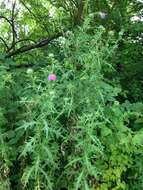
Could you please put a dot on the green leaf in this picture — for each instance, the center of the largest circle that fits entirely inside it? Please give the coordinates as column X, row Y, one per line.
column 104, row 186
column 77, row 184
column 10, row 134
column 27, row 175
column 47, row 178
column 138, row 139
column 106, row 131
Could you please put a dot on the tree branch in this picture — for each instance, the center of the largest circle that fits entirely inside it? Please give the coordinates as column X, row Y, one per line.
column 37, row 45
column 28, row 9
column 35, row 16
column 27, row 39
column 5, row 19
column 13, row 27
column 22, row 40
column 4, row 42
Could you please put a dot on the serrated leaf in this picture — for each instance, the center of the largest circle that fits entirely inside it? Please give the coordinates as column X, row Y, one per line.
column 138, row 139
column 77, row 185
column 47, row 178
column 106, row 131
column 27, row 175
column 73, row 161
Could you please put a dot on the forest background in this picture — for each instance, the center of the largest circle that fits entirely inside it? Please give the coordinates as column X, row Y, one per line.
column 71, row 95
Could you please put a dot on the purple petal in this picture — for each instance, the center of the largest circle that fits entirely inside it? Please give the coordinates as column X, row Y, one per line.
column 103, row 15
column 52, row 77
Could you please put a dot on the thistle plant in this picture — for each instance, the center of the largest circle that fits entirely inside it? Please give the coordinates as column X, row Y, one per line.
column 61, row 117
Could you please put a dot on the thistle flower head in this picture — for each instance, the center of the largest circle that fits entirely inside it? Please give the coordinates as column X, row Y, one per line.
column 52, row 77
column 103, row 15
column 51, row 55
column 68, row 33
column 29, row 71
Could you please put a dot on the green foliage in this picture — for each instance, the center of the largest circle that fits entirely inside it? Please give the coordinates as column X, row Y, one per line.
column 82, row 131
column 123, row 147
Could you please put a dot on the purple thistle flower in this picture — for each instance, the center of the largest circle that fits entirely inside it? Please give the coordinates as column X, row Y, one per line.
column 68, row 33
column 103, row 15
column 52, row 77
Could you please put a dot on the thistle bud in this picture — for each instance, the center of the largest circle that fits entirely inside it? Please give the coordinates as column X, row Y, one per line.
column 29, row 71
